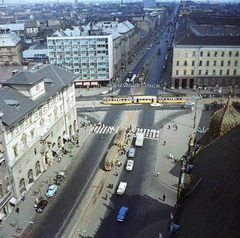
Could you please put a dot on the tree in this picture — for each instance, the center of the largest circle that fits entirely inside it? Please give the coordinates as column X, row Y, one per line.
column 70, row 147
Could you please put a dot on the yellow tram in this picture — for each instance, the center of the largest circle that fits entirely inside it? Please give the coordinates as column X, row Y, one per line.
column 117, row 100
column 165, row 99
column 145, row 99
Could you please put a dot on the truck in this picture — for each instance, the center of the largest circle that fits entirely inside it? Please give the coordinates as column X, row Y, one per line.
column 121, row 188
column 139, row 139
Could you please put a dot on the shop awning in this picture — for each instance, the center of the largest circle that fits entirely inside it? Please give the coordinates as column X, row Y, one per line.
column 66, row 137
column 94, row 83
column 55, row 149
column 86, row 83
column 2, row 216
column 78, row 83
column 1, row 148
column 13, row 201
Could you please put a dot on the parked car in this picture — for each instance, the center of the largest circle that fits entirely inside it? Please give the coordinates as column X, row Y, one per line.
column 122, row 213
column 189, row 103
column 131, row 152
column 41, row 205
column 59, row 178
column 52, row 189
column 105, row 92
column 156, row 104
column 129, row 165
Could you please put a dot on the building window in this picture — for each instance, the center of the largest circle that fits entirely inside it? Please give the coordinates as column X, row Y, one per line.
column 206, row 72
column 15, row 150
column 237, row 54
column 9, row 50
column 193, row 63
column 1, row 59
column 178, row 54
column 229, row 63
column 201, row 54
column 214, row 72
column 184, row 72
column 236, row 63
column 10, row 58
column 199, row 72
column 32, row 134
column 192, row 72
column 212, row 81
column 186, row 54
column 35, row 151
column 226, row 81
column 177, row 72
column 207, row 63
column 214, row 63
column 227, row 71
column 200, row 63
column 230, row 54
column 223, row 53
column 215, row 54
column 185, row 63
column 206, row 81
column 234, row 72
column 220, row 72
column 177, row 63
column 208, row 54
column 193, row 53
column 222, row 63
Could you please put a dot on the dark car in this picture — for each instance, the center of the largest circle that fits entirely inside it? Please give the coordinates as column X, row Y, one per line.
column 59, row 178
column 41, row 205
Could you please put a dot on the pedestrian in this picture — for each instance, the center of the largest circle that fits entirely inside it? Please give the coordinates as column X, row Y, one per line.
column 101, row 137
column 17, row 210
column 176, row 127
column 158, row 174
column 169, row 127
column 170, row 155
column 106, row 196
column 23, row 198
column 164, row 142
column 163, row 197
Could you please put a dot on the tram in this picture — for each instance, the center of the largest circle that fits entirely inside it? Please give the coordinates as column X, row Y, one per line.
column 165, row 99
column 145, row 99
column 113, row 152
column 117, row 100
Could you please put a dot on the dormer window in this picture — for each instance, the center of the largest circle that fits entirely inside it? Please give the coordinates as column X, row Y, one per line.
column 14, row 103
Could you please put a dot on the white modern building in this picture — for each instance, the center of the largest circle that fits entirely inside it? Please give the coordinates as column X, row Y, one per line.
column 96, row 53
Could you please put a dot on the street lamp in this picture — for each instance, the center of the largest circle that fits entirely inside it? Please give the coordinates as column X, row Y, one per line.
column 195, row 115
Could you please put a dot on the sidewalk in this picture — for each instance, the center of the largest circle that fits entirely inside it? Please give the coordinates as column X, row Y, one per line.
column 15, row 223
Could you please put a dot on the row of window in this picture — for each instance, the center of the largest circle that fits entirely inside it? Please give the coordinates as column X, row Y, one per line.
column 9, row 50
column 207, row 63
column 9, row 58
column 92, row 42
column 207, row 72
column 211, row 53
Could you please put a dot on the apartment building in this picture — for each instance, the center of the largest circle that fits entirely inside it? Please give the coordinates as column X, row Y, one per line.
column 39, row 118
column 96, row 53
column 205, row 55
column 10, row 48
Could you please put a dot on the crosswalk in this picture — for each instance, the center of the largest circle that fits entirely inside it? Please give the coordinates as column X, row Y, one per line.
column 148, row 133
column 138, row 85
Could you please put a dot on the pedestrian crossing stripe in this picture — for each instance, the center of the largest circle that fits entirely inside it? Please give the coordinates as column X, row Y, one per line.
column 148, row 133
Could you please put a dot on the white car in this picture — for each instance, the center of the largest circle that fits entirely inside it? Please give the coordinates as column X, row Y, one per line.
column 189, row 103
column 129, row 165
column 105, row 92
column 155, row 104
